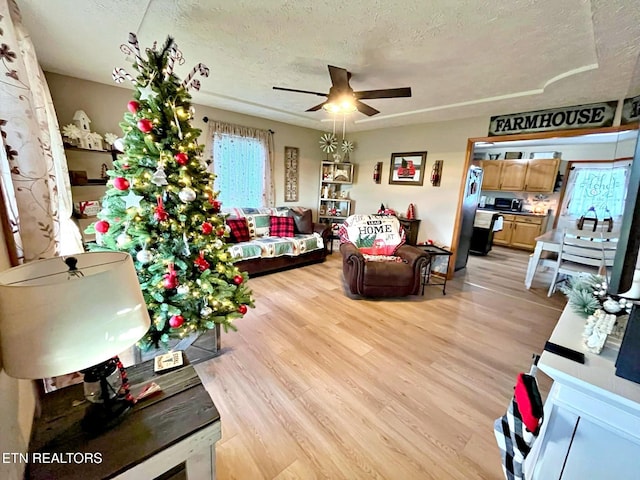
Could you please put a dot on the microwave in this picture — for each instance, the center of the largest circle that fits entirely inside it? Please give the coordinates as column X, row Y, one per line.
column 508, row 204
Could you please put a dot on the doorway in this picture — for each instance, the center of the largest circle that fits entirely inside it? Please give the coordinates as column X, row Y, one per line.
column 516, row 151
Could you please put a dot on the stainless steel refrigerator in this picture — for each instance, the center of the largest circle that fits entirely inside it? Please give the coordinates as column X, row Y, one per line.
column 472, row 188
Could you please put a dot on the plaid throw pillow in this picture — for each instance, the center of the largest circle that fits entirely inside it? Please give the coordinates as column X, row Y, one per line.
column 239, row 229
column 281, row 226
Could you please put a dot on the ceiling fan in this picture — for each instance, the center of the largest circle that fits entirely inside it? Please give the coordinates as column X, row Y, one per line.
column 341, row 96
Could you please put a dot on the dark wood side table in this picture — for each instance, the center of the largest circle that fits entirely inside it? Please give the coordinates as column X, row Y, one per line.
column 434, row 251
column 176, row 427
column 411, row 226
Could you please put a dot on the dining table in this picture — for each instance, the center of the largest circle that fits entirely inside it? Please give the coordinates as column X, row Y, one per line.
column 547, row 243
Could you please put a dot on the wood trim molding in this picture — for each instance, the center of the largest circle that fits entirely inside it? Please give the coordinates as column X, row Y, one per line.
column 555, row 134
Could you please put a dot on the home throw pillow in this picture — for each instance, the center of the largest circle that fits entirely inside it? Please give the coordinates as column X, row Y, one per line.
column 302, row 219
column 373, row 234
column 239, row 230
column 281, row 226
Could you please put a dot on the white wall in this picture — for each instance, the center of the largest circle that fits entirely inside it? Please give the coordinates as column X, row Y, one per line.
column 17, row 403
column 435, row 206
column 105, row 105
column 447, row 141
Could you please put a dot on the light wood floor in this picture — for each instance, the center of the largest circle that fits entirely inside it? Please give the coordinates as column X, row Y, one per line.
column 316, row 384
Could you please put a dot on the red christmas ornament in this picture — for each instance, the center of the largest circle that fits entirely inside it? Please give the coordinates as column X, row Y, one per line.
column 160, row 214
column 145, row 125
column 238, row 279
column 176, row 321
column 170, row 279
column 242, row 309
column 201, row 262
column 217, row 205
column 181, row 158
column 207, row 228
column 121, row 183
column 220, row 231
column 102, row 226
column 133, row 106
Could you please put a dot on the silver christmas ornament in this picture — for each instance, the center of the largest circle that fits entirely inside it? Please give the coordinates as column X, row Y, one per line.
column 159, row 178
column 144, row 256
column 123, row 239
column 183, row 289
column 217, row 243
column 187, row 195
column 206, row 311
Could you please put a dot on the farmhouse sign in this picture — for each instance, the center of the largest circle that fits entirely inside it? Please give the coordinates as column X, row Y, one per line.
column 630, row 110
column 594, row 115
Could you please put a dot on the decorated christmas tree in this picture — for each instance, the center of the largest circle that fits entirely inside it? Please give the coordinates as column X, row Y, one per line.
column 160, row 205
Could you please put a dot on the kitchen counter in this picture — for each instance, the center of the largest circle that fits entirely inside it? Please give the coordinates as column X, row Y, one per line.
column 529, row 214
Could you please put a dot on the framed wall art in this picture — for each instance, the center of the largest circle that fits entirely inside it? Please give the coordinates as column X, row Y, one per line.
column 407, row 168
column 291, row 174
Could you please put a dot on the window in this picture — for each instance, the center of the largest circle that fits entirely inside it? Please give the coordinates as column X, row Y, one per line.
column 239, row 164
column 601, row 188
column 241, row 160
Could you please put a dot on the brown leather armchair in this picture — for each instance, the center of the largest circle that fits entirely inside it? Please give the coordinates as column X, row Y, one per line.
column 383, row 279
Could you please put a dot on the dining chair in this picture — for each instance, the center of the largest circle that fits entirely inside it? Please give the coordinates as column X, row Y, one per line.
column 584, row 252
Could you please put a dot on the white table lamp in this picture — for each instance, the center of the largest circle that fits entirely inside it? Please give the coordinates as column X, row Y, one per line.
column 66, row 314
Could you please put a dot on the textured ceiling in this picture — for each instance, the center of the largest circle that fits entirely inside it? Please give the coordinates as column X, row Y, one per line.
column 462, row 58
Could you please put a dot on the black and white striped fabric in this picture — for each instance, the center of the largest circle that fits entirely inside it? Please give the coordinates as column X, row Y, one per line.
column 514, row 441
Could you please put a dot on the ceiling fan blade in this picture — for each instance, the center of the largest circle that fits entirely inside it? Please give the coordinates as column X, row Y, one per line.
column 366, row 109
column 383, row 93
column 339, row 77
column 301, row 91
column 316, row 107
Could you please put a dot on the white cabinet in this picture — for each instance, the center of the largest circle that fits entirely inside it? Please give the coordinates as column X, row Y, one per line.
column 592, row 418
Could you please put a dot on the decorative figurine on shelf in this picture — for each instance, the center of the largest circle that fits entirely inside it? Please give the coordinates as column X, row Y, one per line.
column 328, row 143
column 385, row 211
column 347, row 147
column 87, row 139
column 411, row 213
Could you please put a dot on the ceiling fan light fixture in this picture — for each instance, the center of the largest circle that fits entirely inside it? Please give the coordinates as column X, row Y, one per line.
column 344, row 104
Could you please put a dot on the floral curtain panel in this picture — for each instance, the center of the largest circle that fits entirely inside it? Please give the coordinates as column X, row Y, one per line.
column 33, row 170
column 242, row 158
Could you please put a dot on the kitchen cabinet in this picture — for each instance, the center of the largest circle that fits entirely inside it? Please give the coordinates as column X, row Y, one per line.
column 520, row 231
column 334, row 205
column 520, row 175
column 503, row 237
column 491, row 170
column 513, row 175
column 541, row 175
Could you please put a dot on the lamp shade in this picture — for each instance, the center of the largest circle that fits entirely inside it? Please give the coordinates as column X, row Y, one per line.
column 56, row 318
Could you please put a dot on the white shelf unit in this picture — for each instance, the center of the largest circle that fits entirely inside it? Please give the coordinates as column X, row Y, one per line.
column 335, row 204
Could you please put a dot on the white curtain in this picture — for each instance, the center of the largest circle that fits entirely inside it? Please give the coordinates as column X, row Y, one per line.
column 242, row 159
column 33, row 168
column 599, row 185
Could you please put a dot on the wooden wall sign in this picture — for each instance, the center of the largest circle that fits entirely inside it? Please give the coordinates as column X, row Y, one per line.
column 593, row 115
column 630, row 110
column 291, row 174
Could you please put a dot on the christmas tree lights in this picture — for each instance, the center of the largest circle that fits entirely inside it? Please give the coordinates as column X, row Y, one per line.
column 160, row 205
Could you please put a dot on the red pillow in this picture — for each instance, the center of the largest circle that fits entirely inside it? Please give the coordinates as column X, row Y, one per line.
column 281, row 226
column 239, row 229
